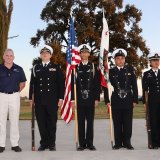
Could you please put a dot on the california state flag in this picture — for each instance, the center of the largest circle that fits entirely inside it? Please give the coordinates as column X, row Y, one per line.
column 104, row 48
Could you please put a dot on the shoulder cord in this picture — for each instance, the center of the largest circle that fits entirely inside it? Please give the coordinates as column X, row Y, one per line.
column 93, row 69
column 34, row 73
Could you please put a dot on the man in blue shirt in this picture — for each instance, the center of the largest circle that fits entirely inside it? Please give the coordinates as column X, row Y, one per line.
column 12, row 81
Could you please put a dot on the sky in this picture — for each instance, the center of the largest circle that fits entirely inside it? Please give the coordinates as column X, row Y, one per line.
column 26, row 20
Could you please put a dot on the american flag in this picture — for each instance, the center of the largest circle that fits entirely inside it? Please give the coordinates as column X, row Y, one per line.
column 73, row 59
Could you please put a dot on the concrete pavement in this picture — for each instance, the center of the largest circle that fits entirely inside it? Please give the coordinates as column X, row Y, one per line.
column 65, row 144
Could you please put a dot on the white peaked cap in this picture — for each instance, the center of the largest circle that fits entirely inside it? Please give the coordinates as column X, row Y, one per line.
column 153, row 56
column 47, row 47
column 84, row 47
column 119, row 52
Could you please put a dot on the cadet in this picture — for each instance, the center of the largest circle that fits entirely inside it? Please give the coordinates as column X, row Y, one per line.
column 47, row 89
column 123, row 99
column 151, row 84
column 12, row 82
column 88, row 96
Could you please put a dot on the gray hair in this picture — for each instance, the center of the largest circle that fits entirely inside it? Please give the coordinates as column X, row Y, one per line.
column 8, row 50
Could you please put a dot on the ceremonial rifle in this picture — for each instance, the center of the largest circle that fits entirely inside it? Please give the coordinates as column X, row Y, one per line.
column 148, row 121
column 33, row 127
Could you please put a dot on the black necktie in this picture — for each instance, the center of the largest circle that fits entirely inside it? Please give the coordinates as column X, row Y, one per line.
column 45, row 65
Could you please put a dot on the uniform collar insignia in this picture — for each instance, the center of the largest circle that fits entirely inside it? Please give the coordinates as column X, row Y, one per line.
column 52, row 69
column 15, row 70
column 149, row 75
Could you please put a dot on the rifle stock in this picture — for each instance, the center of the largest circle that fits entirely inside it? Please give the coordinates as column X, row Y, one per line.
column 33, row 127
column 148, row 121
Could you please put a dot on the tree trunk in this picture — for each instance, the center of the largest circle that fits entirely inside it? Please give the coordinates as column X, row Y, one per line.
column 5, row 19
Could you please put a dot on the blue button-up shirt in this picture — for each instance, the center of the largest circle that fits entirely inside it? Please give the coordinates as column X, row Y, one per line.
column 11, row 78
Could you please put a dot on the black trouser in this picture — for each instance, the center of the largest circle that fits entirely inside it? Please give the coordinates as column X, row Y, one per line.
column 122, row 119
column 46, row 116
column 154, row 112
column 85, row 113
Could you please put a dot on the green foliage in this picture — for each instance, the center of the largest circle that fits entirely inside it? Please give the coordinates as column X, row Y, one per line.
column 123, row 24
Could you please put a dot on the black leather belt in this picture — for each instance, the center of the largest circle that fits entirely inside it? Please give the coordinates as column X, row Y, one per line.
column 8, row 92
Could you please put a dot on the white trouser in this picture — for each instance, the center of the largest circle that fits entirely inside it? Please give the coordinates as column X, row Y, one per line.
column 9, row 103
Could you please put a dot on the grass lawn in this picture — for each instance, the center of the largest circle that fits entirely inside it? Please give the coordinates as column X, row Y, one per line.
column 100, row 112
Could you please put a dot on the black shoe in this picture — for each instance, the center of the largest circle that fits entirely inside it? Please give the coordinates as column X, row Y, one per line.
column 52, row 148
column 2, row 149
column 129, row 147
column 16, row 149
column 115, row 147
column 92, row 148
column 80, row 148
column 42, row 148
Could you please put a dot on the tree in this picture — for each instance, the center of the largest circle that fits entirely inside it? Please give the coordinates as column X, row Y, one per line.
column 58, row 56
column 123, row 24
column 5, row 19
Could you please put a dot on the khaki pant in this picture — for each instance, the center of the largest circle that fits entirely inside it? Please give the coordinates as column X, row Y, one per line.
column 9, row 103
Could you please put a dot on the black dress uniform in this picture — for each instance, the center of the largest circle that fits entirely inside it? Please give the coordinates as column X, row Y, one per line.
column 124, row 95
column 47, row 85
column 88, row 90
column 151, row 84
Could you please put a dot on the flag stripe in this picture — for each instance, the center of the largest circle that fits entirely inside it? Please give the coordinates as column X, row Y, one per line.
column 67, row 94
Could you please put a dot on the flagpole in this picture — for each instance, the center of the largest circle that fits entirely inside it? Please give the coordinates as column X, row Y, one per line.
column 110, row 108
column 105, row 47
column 76, row 117
column 73, row 59
column 110, row 117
